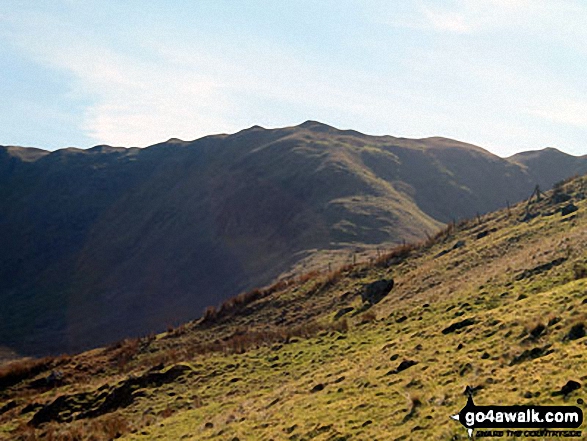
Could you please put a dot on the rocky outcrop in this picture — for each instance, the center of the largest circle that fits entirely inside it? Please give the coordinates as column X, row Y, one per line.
column 375, row 292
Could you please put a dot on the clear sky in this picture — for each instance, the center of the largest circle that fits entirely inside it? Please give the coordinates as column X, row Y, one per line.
column 507, row 75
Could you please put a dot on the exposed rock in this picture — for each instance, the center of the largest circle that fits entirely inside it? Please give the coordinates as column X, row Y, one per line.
column 553, row 321
column 102, row 401
column 571, row 386
column 375, row 292
column 535, row 333
column 61, row 409
column 528, row 216
column 465, row 369
column 8, row 406
column 317, row 388
column 416, row 403
column 342, row 312
column 568, row 209
column 459, row 244
column 559, row 197
column 290, row 429
column 485, row 233
column 576, row 332
column 540, row 268
column 531, row 354
column 54, row 379
column 458, row 325
column 31, row 407
column 403, row 366
column 414, row 382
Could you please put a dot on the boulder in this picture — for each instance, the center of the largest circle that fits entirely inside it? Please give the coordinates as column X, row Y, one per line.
column 568, row 209
column 458, row 325
column 576, row 332
column 405, row 365
column 375, row 292
column 54, row 379
column 571, row 386
column 317, row 388
column 531, row 354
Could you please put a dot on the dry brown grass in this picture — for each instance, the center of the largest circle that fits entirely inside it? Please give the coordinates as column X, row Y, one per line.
column 17, row 371
column 126, row 351
column 237, row 303
column 330, row 279
column 403, row 251
column 122, row 353
column 442, row 235
column 397, row 254
column 369, row 316
column 210, row 314
column 322, row 281
column 242, row 340
column 107, row 427
column 306, row 277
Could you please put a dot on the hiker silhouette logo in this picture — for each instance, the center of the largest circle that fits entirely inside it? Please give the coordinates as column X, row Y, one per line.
column 521, row 418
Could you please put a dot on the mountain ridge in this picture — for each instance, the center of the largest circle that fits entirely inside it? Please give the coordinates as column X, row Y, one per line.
column 109, row 242
column 318, row 127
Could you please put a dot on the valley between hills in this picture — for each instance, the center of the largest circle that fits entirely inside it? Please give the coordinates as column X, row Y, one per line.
column 496, row 302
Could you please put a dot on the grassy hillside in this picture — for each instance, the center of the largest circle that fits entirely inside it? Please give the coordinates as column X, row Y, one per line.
column 497, row 303
column 106, row 243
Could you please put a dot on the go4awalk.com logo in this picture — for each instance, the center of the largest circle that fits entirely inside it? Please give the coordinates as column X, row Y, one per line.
column 519, row 421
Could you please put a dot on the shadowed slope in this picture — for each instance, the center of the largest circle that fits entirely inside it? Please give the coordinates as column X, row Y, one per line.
column 109, row 242
column 544, row 165
column 496, row 305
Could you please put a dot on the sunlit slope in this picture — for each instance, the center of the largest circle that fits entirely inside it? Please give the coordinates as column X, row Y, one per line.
column 497, row 303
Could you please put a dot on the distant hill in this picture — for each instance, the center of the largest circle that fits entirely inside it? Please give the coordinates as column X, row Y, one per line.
column 105, row 243
column 546, row 165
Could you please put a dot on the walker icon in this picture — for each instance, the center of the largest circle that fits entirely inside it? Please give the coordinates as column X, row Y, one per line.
column 518, row 417
column 469, row 407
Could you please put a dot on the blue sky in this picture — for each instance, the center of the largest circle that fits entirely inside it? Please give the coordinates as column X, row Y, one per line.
column 505, row 75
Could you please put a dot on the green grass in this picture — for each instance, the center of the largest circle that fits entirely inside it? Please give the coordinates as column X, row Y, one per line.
column 269, row 392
